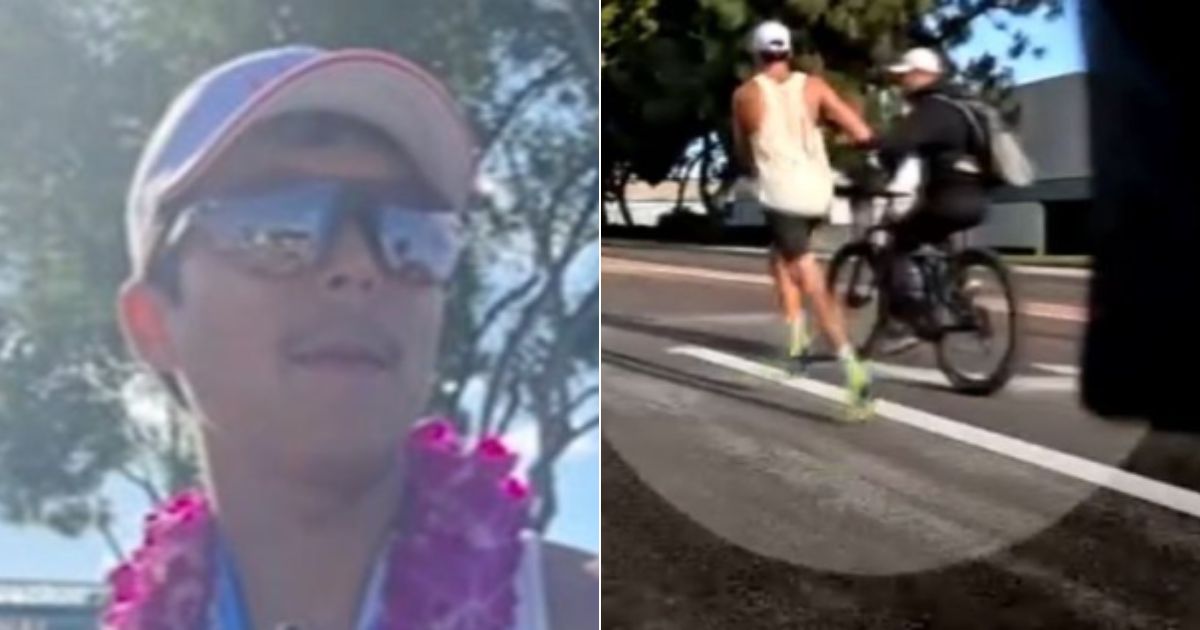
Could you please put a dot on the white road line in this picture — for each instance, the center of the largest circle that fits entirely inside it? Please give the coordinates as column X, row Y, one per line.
column 1054, row 272
column 752, row 318
column 1115, row 479
column 1043, row 310
column 1058, row 368
column 932, row 376
column 1074, row 273
column 637, row 267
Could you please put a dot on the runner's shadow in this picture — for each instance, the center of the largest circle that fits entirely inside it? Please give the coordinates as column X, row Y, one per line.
column 737, row 345
column 748, row 348
column 907, row 381
column 662, row 372
column 725, row 389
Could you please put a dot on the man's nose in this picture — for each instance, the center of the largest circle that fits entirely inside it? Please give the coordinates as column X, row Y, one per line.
column 350, row 268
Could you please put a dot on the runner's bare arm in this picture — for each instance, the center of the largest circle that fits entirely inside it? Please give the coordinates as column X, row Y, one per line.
column 833, row 108
column 747, row 117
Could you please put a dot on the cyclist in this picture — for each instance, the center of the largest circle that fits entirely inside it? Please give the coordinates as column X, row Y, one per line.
column 775, row 116
column 952, row 196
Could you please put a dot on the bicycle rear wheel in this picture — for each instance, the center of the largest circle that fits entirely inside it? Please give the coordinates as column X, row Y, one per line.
column 854, row 278
column 978, row 350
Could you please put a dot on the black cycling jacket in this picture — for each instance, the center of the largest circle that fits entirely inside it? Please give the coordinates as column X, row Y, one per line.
column 939, row 134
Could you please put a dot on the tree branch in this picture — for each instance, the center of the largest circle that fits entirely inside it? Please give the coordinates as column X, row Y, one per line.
column 474, row 339
column 103, row 524
column 514, row 403
column 521, row 331
column 545, row 249
column 585, row 428
column 951, row 28
column 515, row 106
column 581, row 398
column 142, row 483
column 557, row 362
column 529, row 314
column 583, row 220
column 543, row 479
column 549, row 281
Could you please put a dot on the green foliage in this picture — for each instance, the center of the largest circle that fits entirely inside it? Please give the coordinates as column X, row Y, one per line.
column 670, row 66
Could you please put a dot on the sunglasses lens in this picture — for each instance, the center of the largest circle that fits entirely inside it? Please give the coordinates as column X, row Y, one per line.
column 275, row 234
column 286, row 231
column 419, row 246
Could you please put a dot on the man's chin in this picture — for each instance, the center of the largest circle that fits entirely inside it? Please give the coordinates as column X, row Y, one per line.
column 333, row 395
column 341, row 465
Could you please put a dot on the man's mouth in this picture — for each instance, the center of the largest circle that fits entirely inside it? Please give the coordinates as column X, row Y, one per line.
column 344, row 356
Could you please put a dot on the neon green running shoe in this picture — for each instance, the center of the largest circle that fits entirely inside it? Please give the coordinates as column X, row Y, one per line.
column 860, row 398
column 797, row 339
column 797, row 347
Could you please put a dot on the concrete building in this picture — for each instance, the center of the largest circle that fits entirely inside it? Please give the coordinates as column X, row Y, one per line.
column 1052, row 215
column 40, row 605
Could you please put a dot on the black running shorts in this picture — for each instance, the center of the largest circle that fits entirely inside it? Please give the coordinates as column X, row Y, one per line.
column 791, row 234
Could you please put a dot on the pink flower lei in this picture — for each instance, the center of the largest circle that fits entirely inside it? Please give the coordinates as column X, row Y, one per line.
column 452, row 565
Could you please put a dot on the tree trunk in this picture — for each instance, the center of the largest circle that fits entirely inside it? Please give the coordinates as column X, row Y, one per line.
column 622, row 201
column 683, row 180
column 708, row 195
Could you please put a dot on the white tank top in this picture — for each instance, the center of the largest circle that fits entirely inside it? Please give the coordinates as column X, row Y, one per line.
column 794, row 175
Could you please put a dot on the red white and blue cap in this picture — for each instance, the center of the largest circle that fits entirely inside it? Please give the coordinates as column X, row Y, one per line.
column 378, row 88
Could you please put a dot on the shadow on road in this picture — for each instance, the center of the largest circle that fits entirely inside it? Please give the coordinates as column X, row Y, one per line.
column 726, row 389
column 754, row 350
column 662, row 372
column 736, row 345
column 749, row 348
column 1112, row 562
column 664, row 571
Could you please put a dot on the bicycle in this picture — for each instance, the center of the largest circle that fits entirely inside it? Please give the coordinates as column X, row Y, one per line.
column 953, row 303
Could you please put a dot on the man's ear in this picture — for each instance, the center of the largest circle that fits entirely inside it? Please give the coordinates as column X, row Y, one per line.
column 142, row 312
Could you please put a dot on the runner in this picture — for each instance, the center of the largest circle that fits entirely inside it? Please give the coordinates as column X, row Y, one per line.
column 775, row 118
column 293, row 227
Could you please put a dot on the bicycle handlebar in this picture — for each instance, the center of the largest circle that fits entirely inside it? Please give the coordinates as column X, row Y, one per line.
column 861, row 191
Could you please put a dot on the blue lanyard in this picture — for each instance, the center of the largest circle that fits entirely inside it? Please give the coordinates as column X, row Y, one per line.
column 228, row 611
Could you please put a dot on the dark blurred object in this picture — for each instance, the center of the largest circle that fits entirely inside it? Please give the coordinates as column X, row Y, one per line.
column 1146, row 245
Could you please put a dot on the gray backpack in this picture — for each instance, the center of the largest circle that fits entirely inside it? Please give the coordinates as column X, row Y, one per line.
column 1005, row 162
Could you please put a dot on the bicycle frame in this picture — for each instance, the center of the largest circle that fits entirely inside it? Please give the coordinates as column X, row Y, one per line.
column 931, row 261
column 948, row 304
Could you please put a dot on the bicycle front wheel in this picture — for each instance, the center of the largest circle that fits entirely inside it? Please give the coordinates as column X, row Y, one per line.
column 854, row 278
column 978, row 350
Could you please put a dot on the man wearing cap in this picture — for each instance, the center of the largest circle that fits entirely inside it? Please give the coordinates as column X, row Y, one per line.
column 952, row 197
column 775, row 126
column 293, row 223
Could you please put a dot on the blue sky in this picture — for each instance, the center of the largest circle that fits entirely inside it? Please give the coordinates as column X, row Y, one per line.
column 36, row 554
column 1060, row 37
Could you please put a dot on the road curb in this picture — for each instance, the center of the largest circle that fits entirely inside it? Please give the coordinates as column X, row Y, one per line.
column 1051, row 266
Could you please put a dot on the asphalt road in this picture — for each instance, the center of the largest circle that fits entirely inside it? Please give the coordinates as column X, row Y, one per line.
column 735, row 497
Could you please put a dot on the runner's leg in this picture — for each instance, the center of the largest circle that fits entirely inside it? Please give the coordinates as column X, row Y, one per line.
column 790, row 299
column 808, row 273
column 787, row 241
